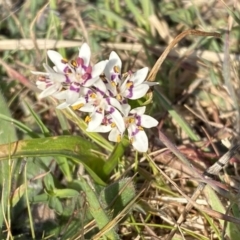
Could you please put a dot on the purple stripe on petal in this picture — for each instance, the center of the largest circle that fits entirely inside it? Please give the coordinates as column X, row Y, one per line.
column 89, row 70
column 66, row 69
column 111, row 110
column 108, row 101
column 67, row 79
column 85, row 77
column 134, row 133
column 75, row 87
column 138, row 120
column 130, row 89
column 79, row 61
column 100, row 91
column 48, row 85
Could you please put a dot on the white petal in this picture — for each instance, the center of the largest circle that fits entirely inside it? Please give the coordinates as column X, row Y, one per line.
column 62, row 105
column 148, row 121
column 126, row 108
column 139, row 76
column 90, row 82
column 115, row 103
column 103, row 128
column 150, row 84
column 114, row 60
column 85, row 54
column 140, row 141
column 98, row 68
column 71, row 96
column 87, row 108
column 49, row 91
column 48, row 68
column 117, row 61
column 101, row 86
column 114, row 135
column 61, row 95
column 96, row 120
column 41, row 85
column 56, row 58
column 57, row 77
column 137, row 91
column 40, row 73
column 138, row 110
column 118, row 120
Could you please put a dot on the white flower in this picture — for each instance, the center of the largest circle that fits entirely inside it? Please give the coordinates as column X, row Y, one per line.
column 79, row 72
column 50, row 82
column 125, row 86
column 99, row 105
column 136, row 120
column 67, row 78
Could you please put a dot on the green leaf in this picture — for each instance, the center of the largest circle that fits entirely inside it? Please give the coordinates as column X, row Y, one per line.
column 74, row 147
column 7, row 135
column 66, row 193
column 117, row 153
column 54, row 203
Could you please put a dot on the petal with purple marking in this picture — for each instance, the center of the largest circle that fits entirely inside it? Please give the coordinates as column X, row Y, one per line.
column 139, row 76
column 57, row 58
column 136, row 92
column 85, row 54
column 98, row 68
column 140, row 141
column 96, row 120
column 118, row 119
column 138, row 110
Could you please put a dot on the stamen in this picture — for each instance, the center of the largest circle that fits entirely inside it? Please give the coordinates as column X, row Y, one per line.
column 88, row 119
column 74, row 64
column 116, row 69
column 64, row 60
column 42, row 78
column 129, row 84
column 113, row 125
column 93, row 95
column 113, row 84
column 119, row 97
column 131, row 120
column 78, row 106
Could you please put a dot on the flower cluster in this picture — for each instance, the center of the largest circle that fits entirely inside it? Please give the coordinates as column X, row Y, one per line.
column 102, row 91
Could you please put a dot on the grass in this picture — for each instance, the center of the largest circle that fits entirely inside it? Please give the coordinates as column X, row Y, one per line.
column 60, row 182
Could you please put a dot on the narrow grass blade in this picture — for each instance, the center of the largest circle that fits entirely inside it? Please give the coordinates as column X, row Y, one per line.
column 7, row 135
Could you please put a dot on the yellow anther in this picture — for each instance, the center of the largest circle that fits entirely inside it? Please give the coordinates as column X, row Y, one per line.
column 125, row 75
column 129, row 84
column 74, row 63
column 88, row 119
column 78, row 106
column 113, row 125
column 119, row 97
column 64, row 60
column 131, row 120
column 140, row 128
column 93, row 95
column 42, row 78
column 116, row 69
column 113, row 84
